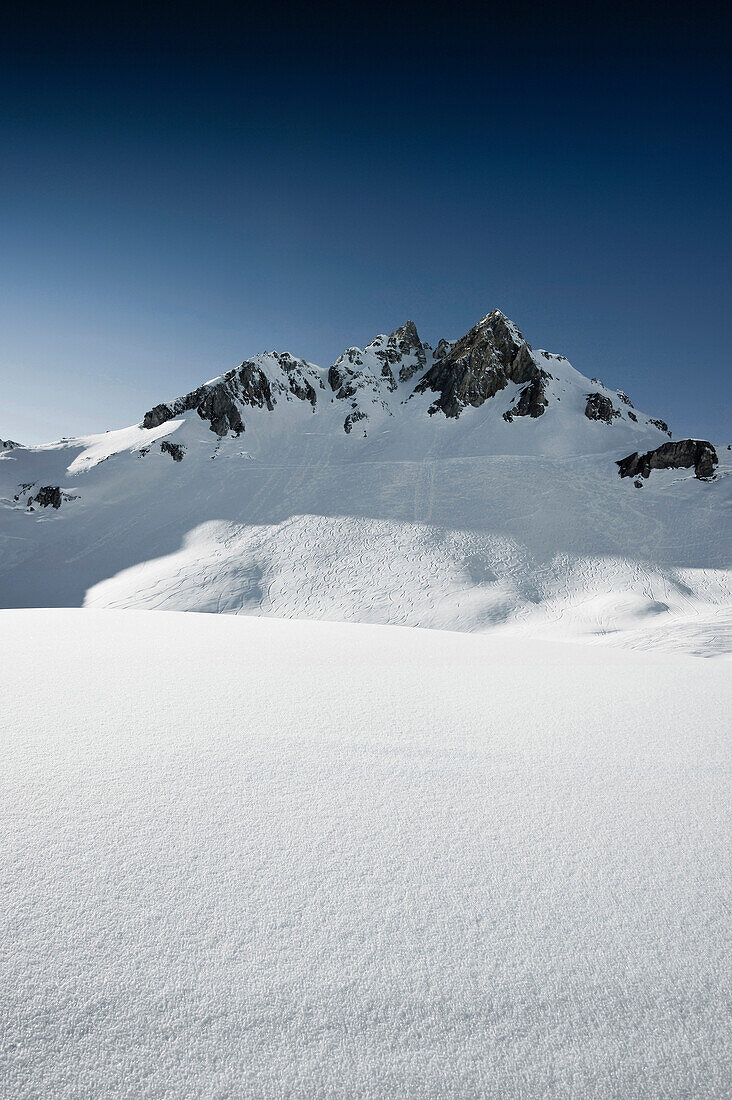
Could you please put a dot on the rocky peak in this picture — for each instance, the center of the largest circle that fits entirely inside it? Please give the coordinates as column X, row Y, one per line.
column 372, row 384
column 257, row 383
column 483, row 362
column 9, row 445
column 366, row 377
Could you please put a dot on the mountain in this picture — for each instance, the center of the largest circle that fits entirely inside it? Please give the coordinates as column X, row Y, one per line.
column 476, row 485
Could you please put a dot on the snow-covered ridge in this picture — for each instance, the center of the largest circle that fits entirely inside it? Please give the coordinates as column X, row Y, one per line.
column 373, row 382
column 478, row 485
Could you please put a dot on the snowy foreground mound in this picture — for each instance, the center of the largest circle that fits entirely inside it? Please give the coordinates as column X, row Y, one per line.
column 246, row 857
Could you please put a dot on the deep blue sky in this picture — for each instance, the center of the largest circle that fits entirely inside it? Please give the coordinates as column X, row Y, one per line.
column 177, row 195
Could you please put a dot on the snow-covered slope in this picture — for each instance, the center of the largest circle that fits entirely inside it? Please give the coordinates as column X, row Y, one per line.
column 258, row 858
column 472, row 486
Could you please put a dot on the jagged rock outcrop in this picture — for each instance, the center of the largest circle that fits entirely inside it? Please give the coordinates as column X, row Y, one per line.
column 50, row 496
column 374, row 382
column 381, row 365
column 221, row 410
column 599, row 407
column 476, row 367
column 220, row 402
column 342, row 379
column 403, row 344
column 368, row 377
column 532, row 400
column 9, row 445
column 298, row 383
column 682, row 454
column 442, row 349
column 353, row 418
column 175, row 450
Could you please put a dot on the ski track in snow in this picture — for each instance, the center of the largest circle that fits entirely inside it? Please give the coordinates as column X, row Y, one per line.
column 416, row 574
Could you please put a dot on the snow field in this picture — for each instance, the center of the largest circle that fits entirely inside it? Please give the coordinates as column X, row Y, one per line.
column 261, row 858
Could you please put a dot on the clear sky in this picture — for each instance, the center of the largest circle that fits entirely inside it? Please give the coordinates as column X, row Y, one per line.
column 178, row 193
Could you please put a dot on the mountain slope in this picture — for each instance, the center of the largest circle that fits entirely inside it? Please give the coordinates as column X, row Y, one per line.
column 472, row 486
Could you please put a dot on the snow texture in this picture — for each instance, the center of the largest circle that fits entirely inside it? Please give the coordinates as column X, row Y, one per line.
column 243, row 857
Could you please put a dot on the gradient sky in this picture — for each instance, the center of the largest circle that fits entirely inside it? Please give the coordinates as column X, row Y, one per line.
column 177, row 195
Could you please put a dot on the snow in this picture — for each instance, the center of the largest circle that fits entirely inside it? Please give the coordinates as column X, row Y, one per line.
column 98, row 448
column 474, row 524
column 267, row 858
column 284, row 523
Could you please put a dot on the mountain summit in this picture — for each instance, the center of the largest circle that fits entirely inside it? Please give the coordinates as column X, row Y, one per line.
column 478, row 484
column 368, row 384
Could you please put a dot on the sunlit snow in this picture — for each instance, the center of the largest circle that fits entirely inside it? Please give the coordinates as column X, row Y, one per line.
column 247, row 857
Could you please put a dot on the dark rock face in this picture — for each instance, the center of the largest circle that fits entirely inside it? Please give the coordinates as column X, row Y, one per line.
column 475, row 368
column 160, row 414
column 342, row 382
column 405, row 342
column 8, row 445
column 632, row 416
column 219, row 403
column 219, row 407
column 661, row 425
column 682, row 454
column 175, row 450
column 599, row 407
column 352, row 419
column 442, row 349
column 48, row 496
column 348, row 374
column 298, row 384
column 532, row 401
column 624, row 398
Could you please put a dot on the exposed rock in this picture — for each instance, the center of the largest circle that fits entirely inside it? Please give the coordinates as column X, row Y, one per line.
column 50, row 496
column 9, row 445
column 408, row 344
column 483, row 362
column 220, row 402
column 661, row 425
column 342, row 380
column 632, row 416
column 532, row 401
column 599, row 407
column 300, row 387
column 638, row 484
column 624, row 398
column 682, row 454
column 352, row 419
column 383, row 364
column 220, row 408
column 442, row 349
column 175, row 450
